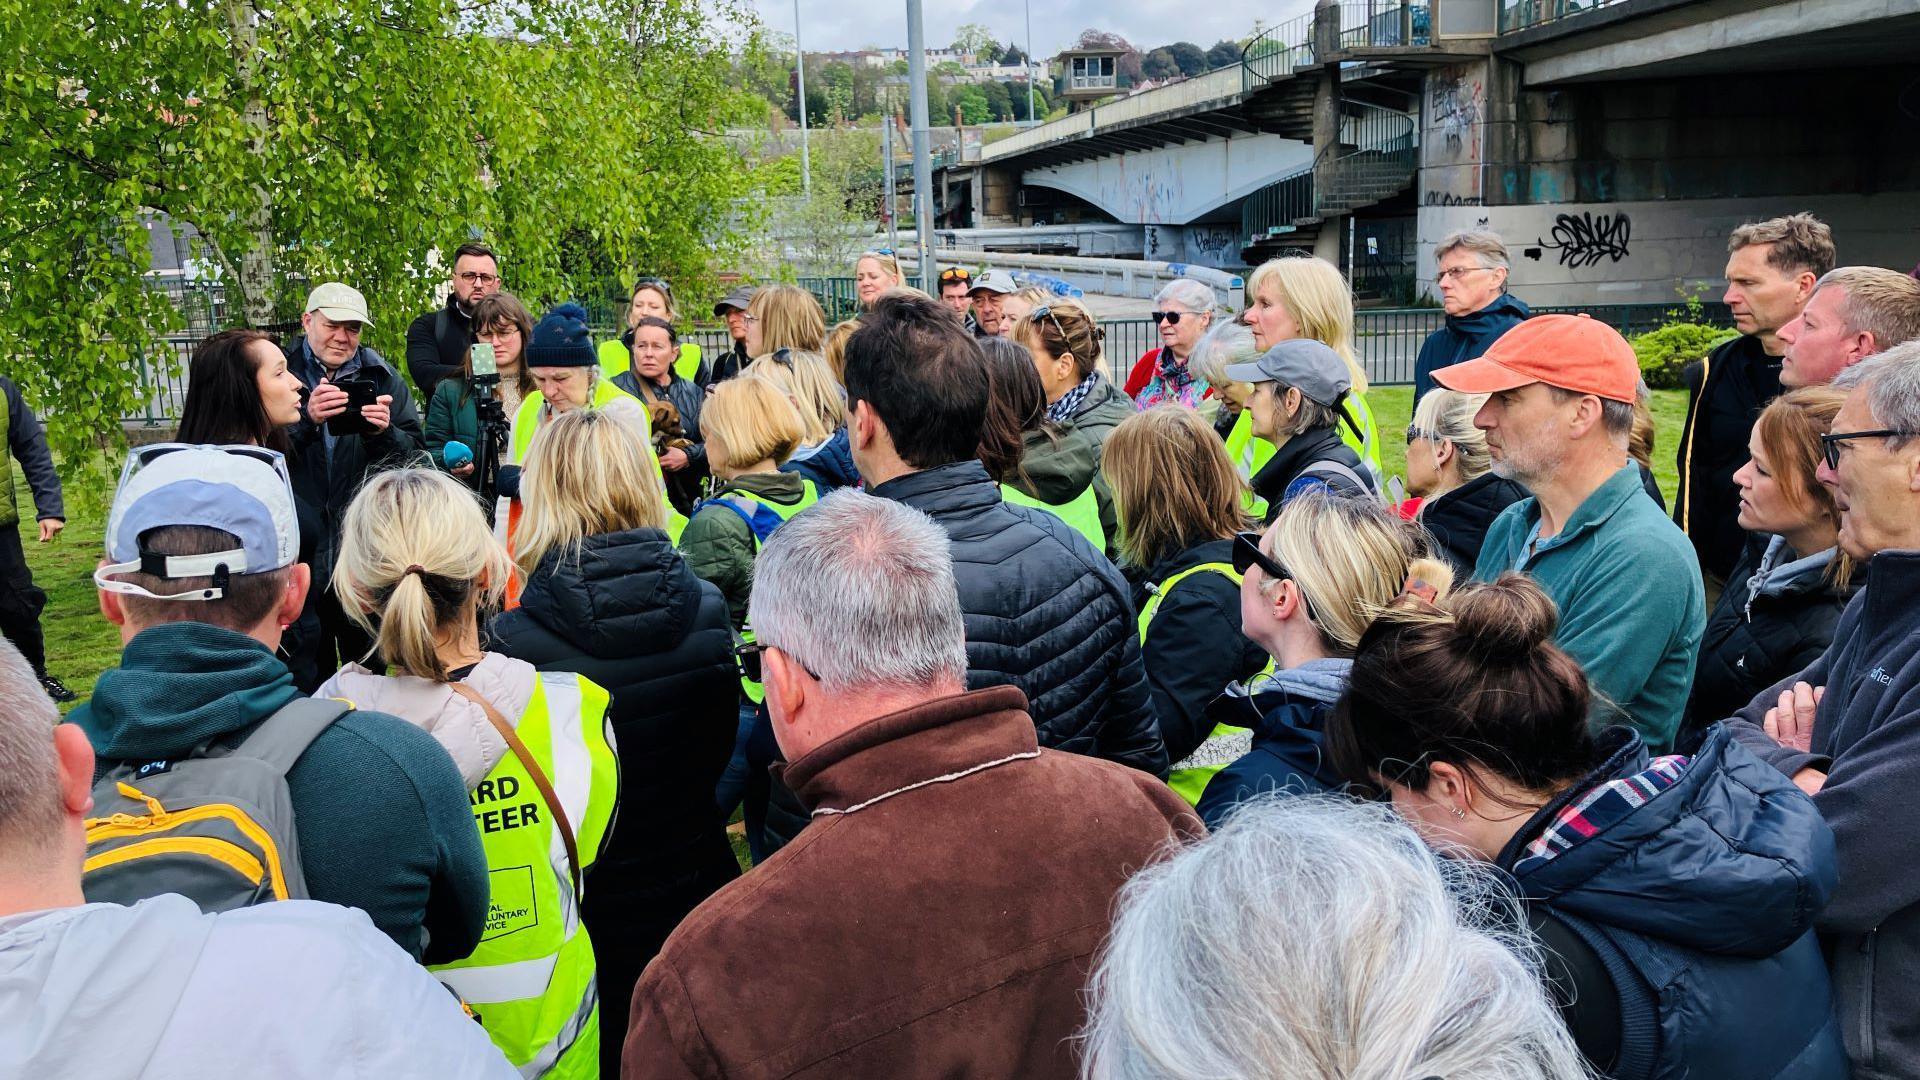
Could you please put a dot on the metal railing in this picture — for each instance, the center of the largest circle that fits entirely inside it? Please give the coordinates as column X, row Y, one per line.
column 1382, row 24
column 1279, row 51
column 1521, row 14
column 1276, row 210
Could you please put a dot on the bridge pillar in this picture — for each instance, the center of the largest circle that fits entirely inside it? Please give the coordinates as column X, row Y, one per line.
column 1326, row 126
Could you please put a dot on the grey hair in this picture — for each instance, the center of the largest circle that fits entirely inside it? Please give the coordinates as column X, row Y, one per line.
column 1196, row 295
column 1616, row 417
column 1486, row 246
column 1318, row 937
column 860, row 591
column 1226, row 342
column 1891, row 381
column 29, row 774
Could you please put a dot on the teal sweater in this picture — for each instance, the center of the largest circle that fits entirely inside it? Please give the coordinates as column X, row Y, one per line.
column 381, row 811
column 1632, row 608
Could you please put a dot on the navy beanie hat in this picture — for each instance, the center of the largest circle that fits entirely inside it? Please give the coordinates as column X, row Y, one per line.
column 560, row 340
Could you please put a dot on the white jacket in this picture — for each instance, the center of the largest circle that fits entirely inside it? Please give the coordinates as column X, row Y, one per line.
column 296, row 990
column 458, row 724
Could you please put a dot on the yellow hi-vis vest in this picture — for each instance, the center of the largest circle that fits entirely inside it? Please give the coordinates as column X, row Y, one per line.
column 1366, row 441
column 1189, row 781
column 526, row 424
column 1249, row 456
column 531, row 979
column 1081, row 513
column 747, row 500
column 615, row 357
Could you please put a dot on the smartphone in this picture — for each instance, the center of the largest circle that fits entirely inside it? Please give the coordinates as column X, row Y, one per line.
column 480, row 358
column 361, row 392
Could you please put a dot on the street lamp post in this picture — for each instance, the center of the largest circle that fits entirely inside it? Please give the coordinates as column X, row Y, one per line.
column 800, row 78
column 922, row 155
column 1031, row 119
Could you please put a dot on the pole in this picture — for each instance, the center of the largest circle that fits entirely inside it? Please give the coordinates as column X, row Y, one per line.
column 800, row 77
column 1031, row 119
column 922, row 155
column 893, row 203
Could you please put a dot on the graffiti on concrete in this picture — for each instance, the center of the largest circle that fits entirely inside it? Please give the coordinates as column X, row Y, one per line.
column 1584, row 240
column 1455, row 108
column 1447, row 198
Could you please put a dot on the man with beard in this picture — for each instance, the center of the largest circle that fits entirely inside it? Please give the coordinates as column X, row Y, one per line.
column 438, row 341
column 1632, row 607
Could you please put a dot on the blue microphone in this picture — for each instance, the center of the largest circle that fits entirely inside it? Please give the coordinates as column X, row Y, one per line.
column 457, row 454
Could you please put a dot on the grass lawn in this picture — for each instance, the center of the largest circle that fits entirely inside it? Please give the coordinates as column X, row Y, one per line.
column 81, row 644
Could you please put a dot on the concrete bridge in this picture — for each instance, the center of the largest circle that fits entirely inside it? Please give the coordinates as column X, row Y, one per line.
column 1612, row 142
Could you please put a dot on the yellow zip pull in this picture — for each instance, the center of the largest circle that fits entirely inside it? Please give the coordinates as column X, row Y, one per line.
column 153, row 804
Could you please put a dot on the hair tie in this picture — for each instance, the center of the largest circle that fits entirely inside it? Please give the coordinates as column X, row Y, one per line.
column 1417, row 587
column 416, row 568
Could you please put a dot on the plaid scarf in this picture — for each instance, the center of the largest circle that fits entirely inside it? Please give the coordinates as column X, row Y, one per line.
column 1596, row 811
column 1172, row 384
column 1061, row 412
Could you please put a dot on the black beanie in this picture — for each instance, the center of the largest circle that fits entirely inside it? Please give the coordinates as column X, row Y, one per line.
column 560, row 340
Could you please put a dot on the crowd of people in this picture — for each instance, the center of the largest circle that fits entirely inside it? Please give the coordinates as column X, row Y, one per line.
column 1076, row 724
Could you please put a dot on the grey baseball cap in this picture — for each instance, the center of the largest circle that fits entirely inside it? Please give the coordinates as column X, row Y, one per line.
column 1308, row 365
column 739, row 298
column 994, row 281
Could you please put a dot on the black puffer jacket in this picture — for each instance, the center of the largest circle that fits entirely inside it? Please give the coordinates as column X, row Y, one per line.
column 1046, row 613
column 1458, row 519
column 632, row 617
column 1775, row 618
column 1193, row 647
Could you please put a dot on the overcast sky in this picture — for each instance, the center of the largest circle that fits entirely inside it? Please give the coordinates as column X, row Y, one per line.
column 835, row 25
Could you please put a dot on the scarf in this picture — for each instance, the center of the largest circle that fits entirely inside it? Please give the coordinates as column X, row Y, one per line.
column 1172, row 384
column 1061, row 412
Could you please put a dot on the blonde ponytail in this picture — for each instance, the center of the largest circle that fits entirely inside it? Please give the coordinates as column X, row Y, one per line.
column 416, row 560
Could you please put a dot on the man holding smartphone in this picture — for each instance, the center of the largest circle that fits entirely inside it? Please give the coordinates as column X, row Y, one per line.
column 358, row 419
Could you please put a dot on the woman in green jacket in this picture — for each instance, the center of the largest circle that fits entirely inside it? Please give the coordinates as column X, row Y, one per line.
column 1083, row 408
column 453, row 414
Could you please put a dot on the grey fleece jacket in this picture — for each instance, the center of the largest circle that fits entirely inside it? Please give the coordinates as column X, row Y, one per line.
column 1866, row 737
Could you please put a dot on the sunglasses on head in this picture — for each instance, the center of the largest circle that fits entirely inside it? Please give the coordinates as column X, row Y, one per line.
column 1415, row 432
column 654, row 283
column 1247, row 555
column 955, row 273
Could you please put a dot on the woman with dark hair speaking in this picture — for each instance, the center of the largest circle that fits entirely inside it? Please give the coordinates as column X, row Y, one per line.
column 239, row 392
column 1676, row 895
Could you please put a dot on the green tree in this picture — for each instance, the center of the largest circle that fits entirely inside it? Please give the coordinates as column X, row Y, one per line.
column 1188, row 57
column 1223, row 53
column 975, row 39
column 972, row 103
column 1159, row 64
column 312, row 139
column 999, row 102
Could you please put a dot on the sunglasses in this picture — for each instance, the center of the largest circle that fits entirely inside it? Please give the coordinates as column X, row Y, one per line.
column 879, row 251
column 1414, row 433
column 955, row 273
column 1171, row 318
column 1830, row 444
column 1247, row 555
column 1045, row 311
column 751, row 665
column 666, row 290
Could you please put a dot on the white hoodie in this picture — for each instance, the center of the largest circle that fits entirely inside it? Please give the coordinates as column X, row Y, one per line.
column 458, row 724
column 295, row 990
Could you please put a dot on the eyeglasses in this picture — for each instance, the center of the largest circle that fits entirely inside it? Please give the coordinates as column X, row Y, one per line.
column 751, row 665
column 1459, row 272
column 1172, row 318
column 1414, row 432
column 474, row 277
column 955, row 273
column 749, row 316
column 1831, row 443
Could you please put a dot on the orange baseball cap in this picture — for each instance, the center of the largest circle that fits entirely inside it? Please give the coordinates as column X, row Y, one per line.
column 1573, row 352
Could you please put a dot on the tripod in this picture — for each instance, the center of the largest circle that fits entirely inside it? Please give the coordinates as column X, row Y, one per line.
column 493, row 436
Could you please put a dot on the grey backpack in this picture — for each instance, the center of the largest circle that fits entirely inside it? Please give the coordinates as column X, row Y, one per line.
column 215, row 826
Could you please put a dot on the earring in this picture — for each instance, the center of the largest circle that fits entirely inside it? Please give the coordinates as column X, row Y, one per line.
column 1459, row 813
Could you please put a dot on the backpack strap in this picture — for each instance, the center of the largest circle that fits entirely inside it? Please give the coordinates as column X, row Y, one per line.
column 1321, row 471
column 280, row 739
column 756, row 519
column 442, row 322
column 534, row 772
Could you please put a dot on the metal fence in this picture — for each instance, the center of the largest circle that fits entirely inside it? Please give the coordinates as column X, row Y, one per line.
column 1387, row 339
column 1520, row 14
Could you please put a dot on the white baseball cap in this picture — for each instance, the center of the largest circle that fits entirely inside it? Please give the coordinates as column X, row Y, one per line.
column 339, row 302
column 994, row 281
column 243, row 490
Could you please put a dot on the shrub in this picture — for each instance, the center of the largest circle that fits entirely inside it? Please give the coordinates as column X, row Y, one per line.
column 1665, row 353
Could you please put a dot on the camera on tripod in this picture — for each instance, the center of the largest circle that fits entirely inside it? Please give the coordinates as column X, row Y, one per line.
column 492, row 415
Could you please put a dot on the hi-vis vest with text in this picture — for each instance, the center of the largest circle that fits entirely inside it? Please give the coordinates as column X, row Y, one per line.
column 531, row 979
column 1189, row 777
column 616, row 357
column 763, row 516
column 1081, row 513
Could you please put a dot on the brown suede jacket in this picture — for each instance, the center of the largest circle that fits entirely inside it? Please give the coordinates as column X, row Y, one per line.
column 939, row 917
